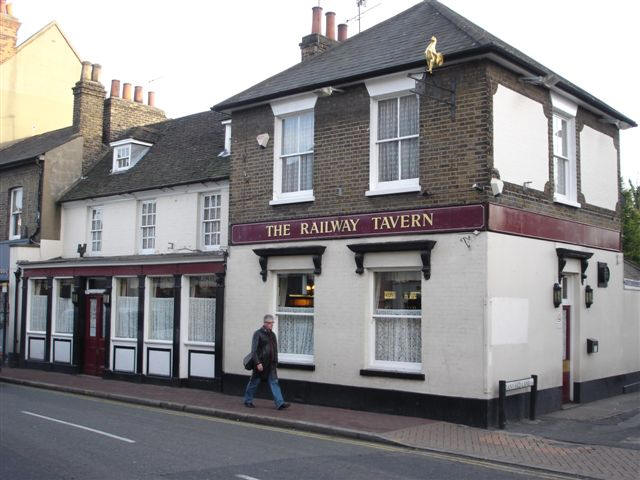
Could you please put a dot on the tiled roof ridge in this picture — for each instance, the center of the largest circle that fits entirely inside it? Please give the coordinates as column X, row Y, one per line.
column 458, row 21
column 11, row 143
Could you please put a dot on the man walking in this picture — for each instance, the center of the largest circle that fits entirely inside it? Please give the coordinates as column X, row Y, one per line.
column 264, row 348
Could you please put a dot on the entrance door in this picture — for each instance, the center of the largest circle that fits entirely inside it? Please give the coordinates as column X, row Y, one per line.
column 566, row 353
column 94, row 336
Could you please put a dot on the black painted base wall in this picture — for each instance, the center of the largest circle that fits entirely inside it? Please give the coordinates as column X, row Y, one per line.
column 592, row 390
column 468, row 411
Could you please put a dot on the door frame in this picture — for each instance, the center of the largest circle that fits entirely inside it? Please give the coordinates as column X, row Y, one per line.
column 98, row 295
column 568, row 284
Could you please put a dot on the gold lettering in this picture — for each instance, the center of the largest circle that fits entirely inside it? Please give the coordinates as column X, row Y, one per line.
column 286, row 230
column 314, row 227
column 427, row 219
column 269, row 231
column 375, row 223
column 415, row 220
column 393, row 221
column 385, row 223
column 404, row 221
column 354, row 224
column 336, row 225
column 304, row 228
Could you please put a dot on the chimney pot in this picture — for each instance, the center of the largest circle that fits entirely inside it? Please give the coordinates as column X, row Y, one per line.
column 331, row 25
column 137, row 94
column 86, row 71
column 126, row 91
column 151, row 99
column 342, row 32
column 96, row 68
column 3, row 6
column 9, row 9
column 115, row 88
column 316, row 22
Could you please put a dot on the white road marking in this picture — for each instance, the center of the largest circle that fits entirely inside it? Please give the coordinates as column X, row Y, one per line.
column 246, row 477
column 128, row 440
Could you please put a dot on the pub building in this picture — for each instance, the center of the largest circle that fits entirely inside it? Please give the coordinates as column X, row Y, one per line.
column 138, row 291
column 420, row 236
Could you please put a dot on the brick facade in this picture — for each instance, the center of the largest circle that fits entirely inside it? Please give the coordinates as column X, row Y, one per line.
column 88, row 108
column 8, row 35
column 455, row 153
column 121, row 114
column 314, row 44
column 27, row 177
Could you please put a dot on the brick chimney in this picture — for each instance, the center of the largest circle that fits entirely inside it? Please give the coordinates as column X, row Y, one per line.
column 315, row 42
column 9, row 26
column 122, row 113
column 88, row 109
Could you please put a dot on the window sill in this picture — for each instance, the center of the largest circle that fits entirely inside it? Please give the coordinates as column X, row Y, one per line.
column 147, row 252
column 566, row 201
column 200, row 344
column 392, row 190
column 310, row 367
column 296, row 199
column 158, row 342
column 124, row 339
column 62, row 335
column 367, row 372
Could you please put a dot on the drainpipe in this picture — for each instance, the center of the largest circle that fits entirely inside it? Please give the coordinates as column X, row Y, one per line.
column 17, row 274
column 40, row 164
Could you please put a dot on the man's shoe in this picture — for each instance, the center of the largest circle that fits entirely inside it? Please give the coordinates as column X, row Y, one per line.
column 283, row 406
column 249, row 405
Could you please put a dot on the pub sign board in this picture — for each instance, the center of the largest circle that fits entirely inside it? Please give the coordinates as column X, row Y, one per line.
column 428, row 220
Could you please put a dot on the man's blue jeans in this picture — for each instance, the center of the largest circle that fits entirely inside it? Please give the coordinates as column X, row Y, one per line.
column 252, row 386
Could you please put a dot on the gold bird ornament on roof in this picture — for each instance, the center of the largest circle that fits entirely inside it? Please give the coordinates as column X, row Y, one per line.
column 434, row 59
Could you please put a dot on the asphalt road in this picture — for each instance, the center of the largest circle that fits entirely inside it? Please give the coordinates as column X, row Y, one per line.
column 50, row 435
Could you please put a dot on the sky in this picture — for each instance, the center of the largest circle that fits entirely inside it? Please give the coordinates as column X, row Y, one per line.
column 196, row 53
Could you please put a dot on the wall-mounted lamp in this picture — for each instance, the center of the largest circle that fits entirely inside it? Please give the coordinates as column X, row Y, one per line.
column 495, row 185
column 74, row 297
column 263, row 140
column 106, row 298
column 557, row 295
column 588, row 296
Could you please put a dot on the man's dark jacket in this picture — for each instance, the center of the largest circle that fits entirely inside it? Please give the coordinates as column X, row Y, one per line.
column 264, row 347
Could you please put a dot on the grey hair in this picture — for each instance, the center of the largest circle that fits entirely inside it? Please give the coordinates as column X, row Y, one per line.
column 266, row 317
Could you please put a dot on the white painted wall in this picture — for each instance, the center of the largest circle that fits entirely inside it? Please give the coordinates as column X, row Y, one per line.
column 452, row 313
column 520, row 139
column 178, row 221
column 598, row 168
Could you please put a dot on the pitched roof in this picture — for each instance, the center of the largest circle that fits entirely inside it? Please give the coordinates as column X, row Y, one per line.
column 185, row 150
column 30, row 147
column 631, row 270
column 41, row 32
column 394, row 45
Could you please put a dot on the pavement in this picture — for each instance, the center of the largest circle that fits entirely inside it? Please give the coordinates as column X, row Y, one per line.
column 597, row 440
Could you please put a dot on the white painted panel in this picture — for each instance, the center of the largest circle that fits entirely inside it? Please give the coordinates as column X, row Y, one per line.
column 296, row 103
column 520, row 139
column 202, row 365
column 159, row 363
column 36, row 349
column 61, row 351
column 598, row 168
column 399, row 82
column 124, row 360
column 509, row 320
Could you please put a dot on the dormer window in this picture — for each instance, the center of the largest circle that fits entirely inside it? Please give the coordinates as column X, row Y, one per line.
column 227, row 139
column 126, row 153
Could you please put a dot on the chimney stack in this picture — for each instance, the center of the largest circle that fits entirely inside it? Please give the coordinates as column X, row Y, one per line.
column 342, row 32
column 316, row 21
column 137, row 94
column 115, row 88
column 126, row 91
column 331, row 25
column 9, row 26
column 151, row 99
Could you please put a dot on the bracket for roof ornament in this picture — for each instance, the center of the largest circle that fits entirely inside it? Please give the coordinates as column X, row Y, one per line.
column 441, row 92
column 545, row 80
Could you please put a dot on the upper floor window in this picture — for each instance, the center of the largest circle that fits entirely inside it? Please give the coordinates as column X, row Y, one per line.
column 293, row 150
column 148, row 226
column 126, row 153
column 227, row 139
column 211, row 209
column 564, row 151
column 394, row 136
column 96, row 229
column 15, row 223
column 122, row 157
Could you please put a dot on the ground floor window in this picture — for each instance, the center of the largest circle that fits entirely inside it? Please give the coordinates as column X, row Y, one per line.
column 202, row 309
column 38, row 306
column 127, row 307
column 161, row 297
column 397, row 319
column 294, row 312
column 64, row 307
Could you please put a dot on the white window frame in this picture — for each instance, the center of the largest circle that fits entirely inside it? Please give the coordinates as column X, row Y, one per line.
column 565, row 109
column 122, row 153
column 202, row 221
column 289, row 107
column 15, row 219
column 126, row 145
column 227, row 139
column 384, row 88
column 148, row 250
column 55, row 294
column 32, row 283
column 115, row 298
column 407, row 367
column 92, row 230
column 293, row 357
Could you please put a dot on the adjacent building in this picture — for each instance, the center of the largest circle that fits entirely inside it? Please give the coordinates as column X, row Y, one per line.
column 420, row 237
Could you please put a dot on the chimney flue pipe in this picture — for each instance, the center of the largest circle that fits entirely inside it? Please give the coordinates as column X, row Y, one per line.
column 331, row 25
column 126, row 91
column 342, row 32
column 137, row 94
column 316, row 22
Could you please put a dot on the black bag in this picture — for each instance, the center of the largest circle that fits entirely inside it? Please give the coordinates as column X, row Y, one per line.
column 248, row 362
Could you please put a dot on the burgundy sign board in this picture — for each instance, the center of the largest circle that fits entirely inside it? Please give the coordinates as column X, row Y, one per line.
column 428, row 220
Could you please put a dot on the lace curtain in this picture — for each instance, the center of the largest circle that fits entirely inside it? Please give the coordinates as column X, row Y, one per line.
column 38, row 320
column 398, row 117
column 127, row 317
column 297, row 137
column 295, row 330
column 202, row 319
column 161, row 319
column 64, row 315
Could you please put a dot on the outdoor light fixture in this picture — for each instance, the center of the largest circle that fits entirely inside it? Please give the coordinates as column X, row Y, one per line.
column 74, row 297
column 106, row 298
column 557, row 295
column 588, row 296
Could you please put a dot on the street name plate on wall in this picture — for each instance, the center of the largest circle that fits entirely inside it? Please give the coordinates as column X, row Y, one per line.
column 518, row 384
column 443, row 219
